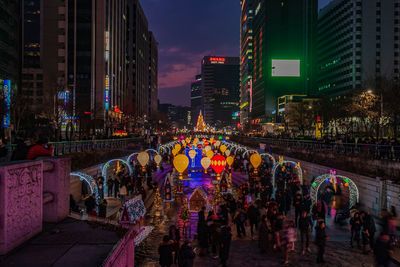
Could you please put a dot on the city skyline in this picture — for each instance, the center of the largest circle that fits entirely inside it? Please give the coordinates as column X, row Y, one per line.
column 180, row 62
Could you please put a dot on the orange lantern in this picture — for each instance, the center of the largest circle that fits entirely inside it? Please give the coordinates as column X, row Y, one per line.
column 181, row 162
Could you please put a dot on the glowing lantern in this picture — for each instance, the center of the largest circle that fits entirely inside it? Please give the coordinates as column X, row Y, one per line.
column 227, row 138
column 175, row 138
column 210, row 154
column 207, row 148
column 227, row 153
column 192, row 154
column 178, row 147
column 157, row 159
column 143, row 159
column 187, row 140
column 218, row 143
column 229, row 160
column 223, row 149
column 174, row 152
column 181, row 162
column 255, row 160
column 205, row 162
column 218, row 164
column 195, row 141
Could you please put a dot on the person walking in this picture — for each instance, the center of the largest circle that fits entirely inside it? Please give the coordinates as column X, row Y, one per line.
column 355, row 229
column 263, row 234
column 369, row 224
column 305, row 226
column 240, row 219
column 383, row 250
column 320, row 241
column 175, row 237
column 253, row 214
column 116, row 187
column 225, row 244
column 110, row 187
column 165, row 252
column 186, row 255
column 122, row 194
column 297, row 204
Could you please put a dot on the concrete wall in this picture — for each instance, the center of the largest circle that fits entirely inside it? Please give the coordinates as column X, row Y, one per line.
column 123, row 254
column 374, row 193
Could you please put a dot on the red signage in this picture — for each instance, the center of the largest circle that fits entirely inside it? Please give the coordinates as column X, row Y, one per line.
column 218, row 59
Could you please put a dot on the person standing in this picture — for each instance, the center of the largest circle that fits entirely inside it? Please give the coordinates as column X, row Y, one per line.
column 263, row 234
column 253, row 215
column 320, row 241
column 165, row 252
column 186, row 255
column 240, row 219
column 355, row 228
column 369, row 224
column 382, row 250
column 305, row 225
column 298, row 204
column 116, row 187
column 110, row 187
column 225, row 244
column 122, row 194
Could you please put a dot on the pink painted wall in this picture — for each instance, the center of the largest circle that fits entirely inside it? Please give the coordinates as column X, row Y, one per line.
column 56, row 180
column 21, row 198
column 123, row 255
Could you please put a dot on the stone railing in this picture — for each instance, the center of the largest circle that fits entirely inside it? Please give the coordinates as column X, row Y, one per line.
column 31, row 192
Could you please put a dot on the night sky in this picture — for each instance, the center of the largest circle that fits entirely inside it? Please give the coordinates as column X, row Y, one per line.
column 187, row 30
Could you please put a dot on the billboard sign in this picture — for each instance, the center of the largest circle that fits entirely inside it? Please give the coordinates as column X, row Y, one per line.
column 285, row 68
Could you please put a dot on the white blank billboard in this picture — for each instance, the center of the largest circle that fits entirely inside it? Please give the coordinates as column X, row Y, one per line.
column 285, row 68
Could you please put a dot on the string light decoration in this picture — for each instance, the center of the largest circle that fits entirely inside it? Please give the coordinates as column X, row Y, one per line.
column 107, row 165
column 217, row 197
column 282, row 163
column 157, row 199
column 89, row 180
column 185, row 214
column 353, row 189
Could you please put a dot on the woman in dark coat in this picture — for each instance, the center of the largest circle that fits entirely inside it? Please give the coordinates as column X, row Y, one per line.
column 165, row 252
column 263, row 234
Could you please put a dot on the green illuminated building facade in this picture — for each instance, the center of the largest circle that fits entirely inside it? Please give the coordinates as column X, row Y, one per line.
column 284, row 38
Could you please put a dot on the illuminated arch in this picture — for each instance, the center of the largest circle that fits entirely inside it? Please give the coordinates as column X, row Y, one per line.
column 152, row 150
column 353, row 189
column 270, row 156
column 107, row 164
column 89, row 180
column 299, row 171
column 248, row 152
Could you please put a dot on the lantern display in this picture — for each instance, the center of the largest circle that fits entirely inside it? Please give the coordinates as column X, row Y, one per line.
column 222, row 148
column 218, row 164
column 255, row 160
column 174, row 152
column 205, row 162
column 181, row 162
column 143, row 159
column 227, row 153
column 178, row 147
column 192, row 155
column 157, row 160
column 217, row 143
column 207, row 148
column 210, row 154
column 229, row 161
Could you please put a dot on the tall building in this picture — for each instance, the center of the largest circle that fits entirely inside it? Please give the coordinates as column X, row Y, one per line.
column 153, row 75
column 195, row 97
column 138, row 58
column 32, row 73
column 357, row 40
column 284, row 39
column 220, row 90
column 10, row 57
column 246, row 60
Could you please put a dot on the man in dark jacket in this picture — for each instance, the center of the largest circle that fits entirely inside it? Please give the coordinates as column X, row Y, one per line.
column 253, row 214
column 369, row 224
column 186, row 255
column 165, row 252
column 225, row 244
column 298, row 204
column 305, row 225
column 382, row 250
column 320, row 240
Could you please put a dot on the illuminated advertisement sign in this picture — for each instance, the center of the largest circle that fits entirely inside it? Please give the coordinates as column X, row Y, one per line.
column 285, row 68
column 6, row 90
column 107, row 45
column 217, row 60
column 107, row 94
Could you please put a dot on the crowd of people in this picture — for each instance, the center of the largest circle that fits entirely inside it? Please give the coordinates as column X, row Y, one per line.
column 283, row 219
